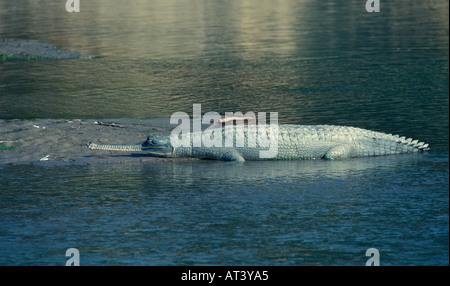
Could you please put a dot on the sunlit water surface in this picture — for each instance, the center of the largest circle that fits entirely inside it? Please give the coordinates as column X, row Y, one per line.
column 313, row 62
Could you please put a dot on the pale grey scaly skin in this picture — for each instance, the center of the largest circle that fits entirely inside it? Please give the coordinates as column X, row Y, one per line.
column 295, row 142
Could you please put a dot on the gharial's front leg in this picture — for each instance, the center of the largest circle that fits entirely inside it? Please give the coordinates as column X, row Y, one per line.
column 222, row 154
column 339, row 152
column 232, row 155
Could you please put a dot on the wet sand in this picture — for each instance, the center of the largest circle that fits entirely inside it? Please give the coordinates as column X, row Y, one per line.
column 64, row 142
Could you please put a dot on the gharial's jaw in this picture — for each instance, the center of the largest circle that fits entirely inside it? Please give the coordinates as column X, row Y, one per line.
column 116, row 147
column 165, row 150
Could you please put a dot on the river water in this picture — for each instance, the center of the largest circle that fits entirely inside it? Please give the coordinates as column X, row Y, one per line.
column 313, row 62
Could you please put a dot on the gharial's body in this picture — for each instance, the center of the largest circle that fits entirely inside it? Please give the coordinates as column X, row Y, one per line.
column 294, row 142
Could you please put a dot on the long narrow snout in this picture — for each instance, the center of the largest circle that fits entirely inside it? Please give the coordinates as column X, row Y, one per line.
column 117, row 147
column 156, row 146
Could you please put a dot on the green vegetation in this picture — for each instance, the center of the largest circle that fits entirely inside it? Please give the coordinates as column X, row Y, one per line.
column 7, row 148
column 20, row 57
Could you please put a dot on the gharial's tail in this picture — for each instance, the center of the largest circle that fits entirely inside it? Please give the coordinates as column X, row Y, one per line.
column 388, row 144
column 373, row 143
column 409, row 144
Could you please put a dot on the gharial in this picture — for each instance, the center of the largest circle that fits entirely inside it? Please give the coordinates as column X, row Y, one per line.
column 294, row 142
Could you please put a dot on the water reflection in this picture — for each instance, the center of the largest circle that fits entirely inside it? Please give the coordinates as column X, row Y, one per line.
column 209, row 212
column 218, row 30
column 314, row 62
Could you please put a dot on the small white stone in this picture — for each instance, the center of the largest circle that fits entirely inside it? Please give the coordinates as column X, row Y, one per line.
column 44, row 158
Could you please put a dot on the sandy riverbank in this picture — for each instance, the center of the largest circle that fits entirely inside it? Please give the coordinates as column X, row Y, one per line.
column 62, row 142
